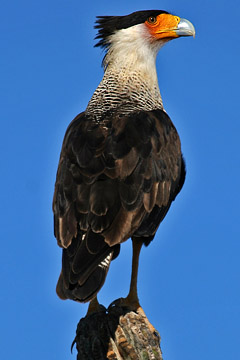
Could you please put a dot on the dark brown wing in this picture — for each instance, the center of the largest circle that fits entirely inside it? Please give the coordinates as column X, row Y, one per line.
column 116, row 179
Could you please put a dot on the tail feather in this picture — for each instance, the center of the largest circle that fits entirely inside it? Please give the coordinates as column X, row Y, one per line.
column 90, row 288
column 84, row 268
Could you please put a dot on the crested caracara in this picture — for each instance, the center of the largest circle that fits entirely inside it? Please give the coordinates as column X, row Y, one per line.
column 121, row 164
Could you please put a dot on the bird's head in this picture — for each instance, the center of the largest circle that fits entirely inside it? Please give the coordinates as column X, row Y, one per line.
column 140, row 31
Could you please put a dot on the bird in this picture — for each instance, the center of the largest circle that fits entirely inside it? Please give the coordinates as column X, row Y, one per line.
column 121, row 164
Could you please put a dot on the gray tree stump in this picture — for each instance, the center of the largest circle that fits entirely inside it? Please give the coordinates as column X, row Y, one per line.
column 117, row 333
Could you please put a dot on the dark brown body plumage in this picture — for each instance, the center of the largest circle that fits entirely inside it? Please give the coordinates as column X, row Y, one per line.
column 116, row 179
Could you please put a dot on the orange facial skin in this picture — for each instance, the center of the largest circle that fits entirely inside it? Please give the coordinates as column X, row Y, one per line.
column 163, row 26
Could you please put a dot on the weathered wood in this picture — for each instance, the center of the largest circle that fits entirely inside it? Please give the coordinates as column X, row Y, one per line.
column 117, row 333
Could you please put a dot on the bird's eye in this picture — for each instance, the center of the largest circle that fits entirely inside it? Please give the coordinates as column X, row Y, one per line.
column 152, row 20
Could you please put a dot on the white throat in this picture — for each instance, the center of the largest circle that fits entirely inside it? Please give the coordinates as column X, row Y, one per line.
column 130, row 80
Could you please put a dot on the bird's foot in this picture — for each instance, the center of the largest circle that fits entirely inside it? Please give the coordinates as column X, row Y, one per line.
column 126, row 303
column 94, row 307
column 133, row 305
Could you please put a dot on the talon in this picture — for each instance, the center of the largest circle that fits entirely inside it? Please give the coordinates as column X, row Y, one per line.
column 117, row 302
column 126, row 302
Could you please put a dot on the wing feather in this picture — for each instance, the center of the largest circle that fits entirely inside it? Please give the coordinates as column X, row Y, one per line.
column 116, row 179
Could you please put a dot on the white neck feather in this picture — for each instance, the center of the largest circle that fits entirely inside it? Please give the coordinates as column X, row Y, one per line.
column 130, row 80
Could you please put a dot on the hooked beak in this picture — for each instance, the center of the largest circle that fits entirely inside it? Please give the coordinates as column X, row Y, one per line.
column 185, row 28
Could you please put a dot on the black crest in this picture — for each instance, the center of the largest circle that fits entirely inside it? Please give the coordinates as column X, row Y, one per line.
column 107, row 25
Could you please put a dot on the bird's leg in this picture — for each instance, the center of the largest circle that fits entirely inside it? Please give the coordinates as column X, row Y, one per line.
column 132, row 297
column 132, row 301
column 93, row 306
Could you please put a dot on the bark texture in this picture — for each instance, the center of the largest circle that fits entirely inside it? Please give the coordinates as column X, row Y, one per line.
column 117, row 333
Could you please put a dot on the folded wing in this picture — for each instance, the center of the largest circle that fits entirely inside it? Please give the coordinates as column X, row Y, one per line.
column 116, row 179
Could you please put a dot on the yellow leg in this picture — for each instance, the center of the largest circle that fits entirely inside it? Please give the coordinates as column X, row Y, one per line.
column 132, row 301
column 132, row 298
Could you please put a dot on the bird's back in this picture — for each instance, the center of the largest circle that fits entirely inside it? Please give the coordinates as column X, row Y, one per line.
column 116, row 179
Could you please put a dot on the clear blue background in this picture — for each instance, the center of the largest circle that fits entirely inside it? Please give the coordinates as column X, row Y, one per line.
column 189, row 276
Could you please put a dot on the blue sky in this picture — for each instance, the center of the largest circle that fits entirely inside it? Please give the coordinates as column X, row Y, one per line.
column 189, row 279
